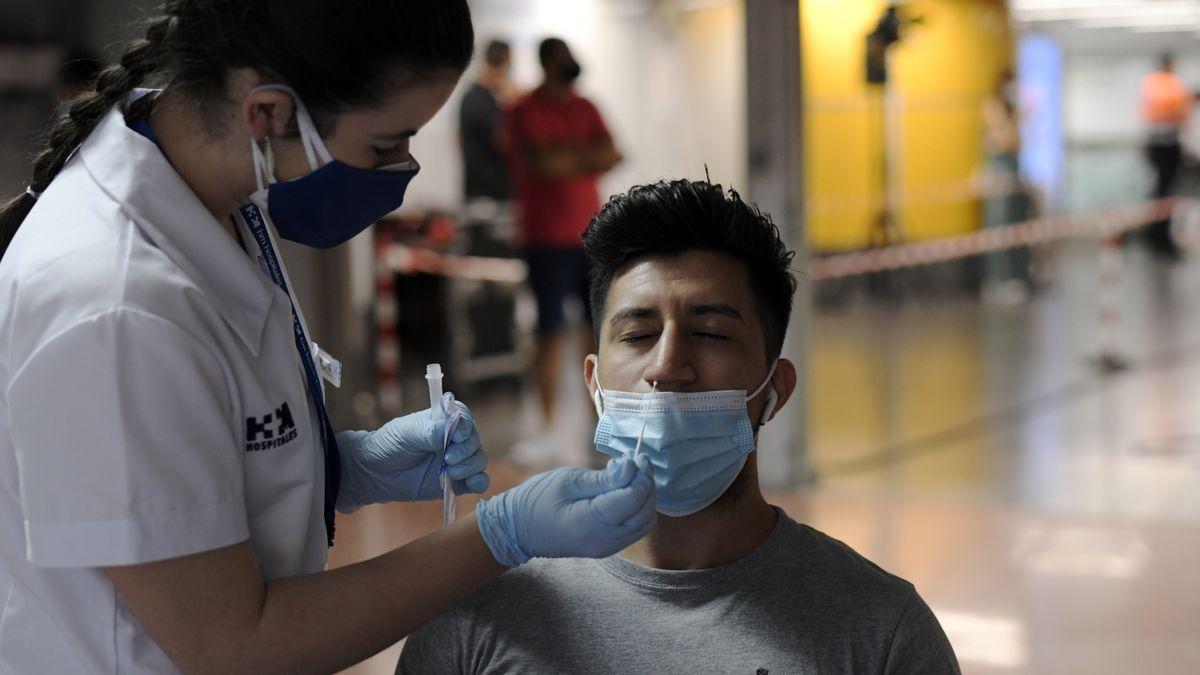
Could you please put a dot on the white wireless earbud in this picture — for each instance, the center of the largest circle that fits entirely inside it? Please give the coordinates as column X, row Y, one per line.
column 772, row 399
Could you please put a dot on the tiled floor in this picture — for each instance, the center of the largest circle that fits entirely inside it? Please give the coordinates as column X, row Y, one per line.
column 1049, row 514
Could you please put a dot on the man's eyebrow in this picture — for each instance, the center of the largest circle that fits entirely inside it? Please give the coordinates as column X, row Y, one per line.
column 632, row 313
column 715, row 308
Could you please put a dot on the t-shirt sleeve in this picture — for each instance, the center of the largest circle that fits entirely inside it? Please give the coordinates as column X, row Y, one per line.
column 919, row 644
column 126, row 445
column 436, row 648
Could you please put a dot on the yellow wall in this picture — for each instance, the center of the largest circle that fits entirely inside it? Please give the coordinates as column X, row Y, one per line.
column 940, row 74
column 873, row 390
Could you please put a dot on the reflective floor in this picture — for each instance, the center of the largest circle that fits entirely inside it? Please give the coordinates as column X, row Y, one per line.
column 1049, row 514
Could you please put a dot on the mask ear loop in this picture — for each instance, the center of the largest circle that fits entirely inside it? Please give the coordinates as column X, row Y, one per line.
column 314, row 147
column 264, row 165
column 310, row 138
column 598, row 397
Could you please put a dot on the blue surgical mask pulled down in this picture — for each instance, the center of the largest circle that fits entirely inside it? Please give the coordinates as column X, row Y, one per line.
column 335, row 201
column 697, row 442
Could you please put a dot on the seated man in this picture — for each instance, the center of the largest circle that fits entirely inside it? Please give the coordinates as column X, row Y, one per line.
column 691, row 294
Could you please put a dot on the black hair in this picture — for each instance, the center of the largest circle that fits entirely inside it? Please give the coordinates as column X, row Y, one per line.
column 670, row 218
column 548, row 46
column 336, row 55
column 496, row 52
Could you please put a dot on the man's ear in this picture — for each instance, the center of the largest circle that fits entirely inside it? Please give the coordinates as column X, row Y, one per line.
column 784, row 384
column 590, row 363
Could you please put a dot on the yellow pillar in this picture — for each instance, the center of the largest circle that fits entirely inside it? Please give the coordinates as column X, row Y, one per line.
column 940, row 74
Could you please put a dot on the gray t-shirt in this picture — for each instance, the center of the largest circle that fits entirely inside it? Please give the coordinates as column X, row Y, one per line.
column 802, row 602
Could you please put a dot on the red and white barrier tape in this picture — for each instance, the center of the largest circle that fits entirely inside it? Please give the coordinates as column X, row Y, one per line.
column 985, row 186
column 1109, row 223
column 411, row 260
column 392, row 259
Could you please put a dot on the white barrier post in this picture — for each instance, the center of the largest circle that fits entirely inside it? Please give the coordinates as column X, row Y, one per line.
column 387, row 345
column 1110, row 359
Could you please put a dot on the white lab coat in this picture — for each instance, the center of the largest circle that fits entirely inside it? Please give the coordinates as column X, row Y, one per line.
column 145, row 364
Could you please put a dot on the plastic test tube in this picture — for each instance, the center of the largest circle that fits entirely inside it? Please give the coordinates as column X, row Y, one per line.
column 433, row 376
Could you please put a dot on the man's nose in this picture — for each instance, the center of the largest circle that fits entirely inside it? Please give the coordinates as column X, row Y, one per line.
column 670, row 365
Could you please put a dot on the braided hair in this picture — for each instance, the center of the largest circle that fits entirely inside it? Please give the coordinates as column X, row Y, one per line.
column 112, row 85
column 335, row 55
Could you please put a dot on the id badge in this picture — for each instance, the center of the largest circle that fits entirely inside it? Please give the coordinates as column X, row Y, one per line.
column 329, row 367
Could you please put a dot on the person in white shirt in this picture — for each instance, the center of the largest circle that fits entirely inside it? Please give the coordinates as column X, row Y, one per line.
column 168, row 472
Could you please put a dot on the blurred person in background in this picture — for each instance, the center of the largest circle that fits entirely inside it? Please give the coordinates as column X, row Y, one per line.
column 559, row 147
column 693, row 293
column 1006, row 273
column 1166, row 106
column 76, row 75
column 485, row 171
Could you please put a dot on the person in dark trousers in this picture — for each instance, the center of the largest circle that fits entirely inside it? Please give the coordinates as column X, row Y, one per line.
column 1166, row 105
column 485, row 171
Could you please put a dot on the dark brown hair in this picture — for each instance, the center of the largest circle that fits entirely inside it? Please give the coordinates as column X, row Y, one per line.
column 670, row 218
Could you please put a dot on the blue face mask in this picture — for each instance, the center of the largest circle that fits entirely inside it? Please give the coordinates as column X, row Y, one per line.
column 697, row 442
column 332, row 203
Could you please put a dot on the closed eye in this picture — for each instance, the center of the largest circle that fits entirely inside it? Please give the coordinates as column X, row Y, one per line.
column 712, row 336
column 384, row 153
column 630, row 339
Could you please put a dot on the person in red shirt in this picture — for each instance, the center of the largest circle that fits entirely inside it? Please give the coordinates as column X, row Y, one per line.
column 559, row 146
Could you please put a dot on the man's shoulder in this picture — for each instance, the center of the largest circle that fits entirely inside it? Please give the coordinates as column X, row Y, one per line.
column 583, row 104
column 538, row 100
column 522, row 597
column 829, row 564
column 860, row 598
column 525, row 102
column 476, row 101
column 527, row 594
column 537, row 581
column 477, row 93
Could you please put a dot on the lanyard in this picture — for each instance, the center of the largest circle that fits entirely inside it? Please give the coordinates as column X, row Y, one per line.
column 333, row 467
column 266, row 245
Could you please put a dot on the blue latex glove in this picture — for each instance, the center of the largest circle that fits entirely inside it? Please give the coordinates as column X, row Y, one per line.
column 400, row 460
column 570, row 513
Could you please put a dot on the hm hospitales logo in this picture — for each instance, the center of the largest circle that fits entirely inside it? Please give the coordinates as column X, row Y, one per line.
column 271, row 430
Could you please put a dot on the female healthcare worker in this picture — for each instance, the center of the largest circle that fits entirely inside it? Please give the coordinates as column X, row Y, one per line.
column 168, row 471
